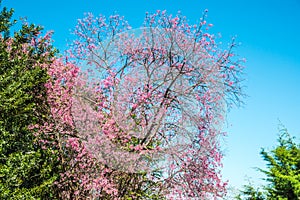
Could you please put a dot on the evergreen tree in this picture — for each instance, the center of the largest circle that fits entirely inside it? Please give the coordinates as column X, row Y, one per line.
column 282, row 172
column 27, row 169
column 250, row 192
column 283, row 168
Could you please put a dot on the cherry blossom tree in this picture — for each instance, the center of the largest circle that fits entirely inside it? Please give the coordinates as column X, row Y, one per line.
column 140, row 118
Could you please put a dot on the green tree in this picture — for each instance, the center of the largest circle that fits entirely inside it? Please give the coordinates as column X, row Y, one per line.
column 250, row 192
column 282, row 172
column 283, row 168
column 27, row 169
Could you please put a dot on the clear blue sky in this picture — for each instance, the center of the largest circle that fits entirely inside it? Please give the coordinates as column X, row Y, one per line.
column 270, row 35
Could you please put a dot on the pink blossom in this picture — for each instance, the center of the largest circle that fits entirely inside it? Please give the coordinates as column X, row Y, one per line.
column 151, row 86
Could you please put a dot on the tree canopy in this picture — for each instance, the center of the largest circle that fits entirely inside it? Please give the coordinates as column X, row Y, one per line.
column 27, row 171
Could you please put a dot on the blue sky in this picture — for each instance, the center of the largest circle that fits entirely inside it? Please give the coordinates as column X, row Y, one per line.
column 269, row 32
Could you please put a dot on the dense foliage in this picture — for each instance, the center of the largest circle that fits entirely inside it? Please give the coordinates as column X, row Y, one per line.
column 27, row 170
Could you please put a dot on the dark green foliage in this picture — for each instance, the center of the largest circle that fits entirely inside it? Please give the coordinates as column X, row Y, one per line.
column 5, row 22
column 27, row 170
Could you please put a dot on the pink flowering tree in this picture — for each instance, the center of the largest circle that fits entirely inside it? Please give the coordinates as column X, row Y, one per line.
column 141, row 117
